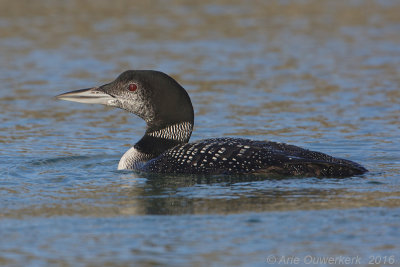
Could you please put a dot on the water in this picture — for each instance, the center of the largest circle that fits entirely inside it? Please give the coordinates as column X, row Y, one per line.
column 319, row 74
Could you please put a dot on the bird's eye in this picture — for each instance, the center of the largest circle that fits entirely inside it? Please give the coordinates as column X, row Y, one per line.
column 132, row 87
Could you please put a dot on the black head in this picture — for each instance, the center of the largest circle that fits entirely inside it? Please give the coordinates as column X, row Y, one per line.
column 152, row 95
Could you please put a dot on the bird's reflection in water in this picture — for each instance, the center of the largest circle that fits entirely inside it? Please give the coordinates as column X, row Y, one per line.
column 174, row 195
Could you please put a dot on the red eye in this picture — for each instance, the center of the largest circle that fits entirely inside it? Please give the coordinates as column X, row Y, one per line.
column 132, row 87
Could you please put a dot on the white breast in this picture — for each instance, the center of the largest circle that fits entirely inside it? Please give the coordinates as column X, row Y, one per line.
column 133, row 159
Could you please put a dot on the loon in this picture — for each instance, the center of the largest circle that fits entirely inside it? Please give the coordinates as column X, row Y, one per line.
column 166, row 108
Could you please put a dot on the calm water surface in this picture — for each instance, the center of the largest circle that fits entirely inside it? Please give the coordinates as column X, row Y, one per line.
column 319, row 74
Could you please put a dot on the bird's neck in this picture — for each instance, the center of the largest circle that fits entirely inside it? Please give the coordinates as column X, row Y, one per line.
column 155, row 141
column 158, row 139
column 178, row 132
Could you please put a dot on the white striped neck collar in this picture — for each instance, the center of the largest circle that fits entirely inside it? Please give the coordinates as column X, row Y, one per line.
column 178, row 132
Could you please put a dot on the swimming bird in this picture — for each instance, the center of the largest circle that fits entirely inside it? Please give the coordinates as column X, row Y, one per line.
column 166, row 108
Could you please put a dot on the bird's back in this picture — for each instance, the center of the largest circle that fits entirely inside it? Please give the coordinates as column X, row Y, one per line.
column 232, row 156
